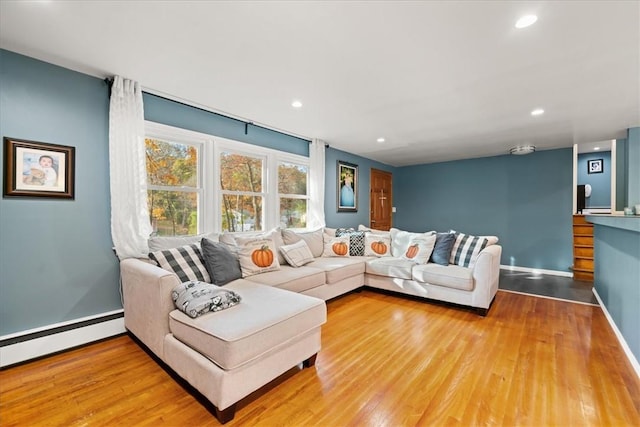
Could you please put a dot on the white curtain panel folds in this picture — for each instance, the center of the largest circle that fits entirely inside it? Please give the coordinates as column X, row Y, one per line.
column 130, row 225
column 316, row 184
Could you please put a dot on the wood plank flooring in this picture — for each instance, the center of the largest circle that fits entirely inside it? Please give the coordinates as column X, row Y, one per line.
column 385, row 361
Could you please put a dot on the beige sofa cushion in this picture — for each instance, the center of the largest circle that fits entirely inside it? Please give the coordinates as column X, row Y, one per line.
column 295, row 279
column 391, row 267
column 451, row 276
column 266, row 318
column 337, row 269
column 313, row 239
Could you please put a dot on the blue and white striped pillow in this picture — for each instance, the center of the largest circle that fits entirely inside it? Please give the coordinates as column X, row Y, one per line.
column 466, row 249
column 185, row 261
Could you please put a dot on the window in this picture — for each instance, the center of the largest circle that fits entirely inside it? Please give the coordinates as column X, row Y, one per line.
column 199, row 183
column 292, row 193
column 242, row 199
column 172, row 192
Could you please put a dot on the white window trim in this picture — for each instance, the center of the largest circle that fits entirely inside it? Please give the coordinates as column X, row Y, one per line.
column 209, row 190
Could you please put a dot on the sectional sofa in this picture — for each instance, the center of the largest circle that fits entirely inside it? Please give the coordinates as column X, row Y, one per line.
column 276, row 325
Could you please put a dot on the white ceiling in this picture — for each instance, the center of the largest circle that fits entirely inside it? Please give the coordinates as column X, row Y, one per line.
column 439, row 80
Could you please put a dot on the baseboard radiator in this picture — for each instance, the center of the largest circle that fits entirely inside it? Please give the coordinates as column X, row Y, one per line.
column 46, row 340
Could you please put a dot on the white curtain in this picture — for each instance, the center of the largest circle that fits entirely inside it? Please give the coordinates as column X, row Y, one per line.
column 130, row 226
column 316, row 187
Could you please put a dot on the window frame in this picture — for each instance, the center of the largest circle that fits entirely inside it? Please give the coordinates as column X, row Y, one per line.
column 209, row 147
column 272, row 159
column 171, row 134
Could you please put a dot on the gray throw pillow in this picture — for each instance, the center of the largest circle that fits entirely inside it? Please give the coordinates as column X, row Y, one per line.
column 223, row 266
column 442, row 250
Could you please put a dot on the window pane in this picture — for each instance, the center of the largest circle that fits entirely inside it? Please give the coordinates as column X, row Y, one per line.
column 171, row 164
column 293, row 213
column 292, row 179
column 241, row 213
column 173, row 213
column 240, row 173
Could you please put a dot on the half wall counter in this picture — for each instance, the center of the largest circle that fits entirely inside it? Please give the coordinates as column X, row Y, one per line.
column 616, row 242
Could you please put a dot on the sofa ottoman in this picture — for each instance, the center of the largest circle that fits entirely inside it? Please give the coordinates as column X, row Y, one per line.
column 265, row 319
column 227, row 355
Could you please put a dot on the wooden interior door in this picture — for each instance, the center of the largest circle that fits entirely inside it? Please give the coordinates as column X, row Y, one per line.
column 380, row 199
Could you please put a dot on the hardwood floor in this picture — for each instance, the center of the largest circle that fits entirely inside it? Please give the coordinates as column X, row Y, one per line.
column 385, row 361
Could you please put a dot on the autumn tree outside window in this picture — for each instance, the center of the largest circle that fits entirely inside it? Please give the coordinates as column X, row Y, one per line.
column 172, row 187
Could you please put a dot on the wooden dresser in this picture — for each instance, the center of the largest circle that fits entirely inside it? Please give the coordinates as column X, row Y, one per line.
column 582, row 249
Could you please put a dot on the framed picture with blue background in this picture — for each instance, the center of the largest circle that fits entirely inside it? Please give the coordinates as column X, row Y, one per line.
column 347, row 187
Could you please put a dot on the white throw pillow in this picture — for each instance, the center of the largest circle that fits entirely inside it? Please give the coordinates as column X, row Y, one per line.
column 400, row 240
column 258, row 256
column 297, row 254
column 240, row 239
column 377, row 245
column 419, row 249
column 335, row 246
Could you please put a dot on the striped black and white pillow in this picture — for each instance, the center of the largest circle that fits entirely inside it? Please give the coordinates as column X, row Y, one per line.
column 185, row 261
column 466, row 249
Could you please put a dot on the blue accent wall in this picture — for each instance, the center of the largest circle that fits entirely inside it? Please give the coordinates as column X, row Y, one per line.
column 524, row 200
column 600, row 182
column 617, row 274
column 56, row 261
column 172, row 113
column 336, row 219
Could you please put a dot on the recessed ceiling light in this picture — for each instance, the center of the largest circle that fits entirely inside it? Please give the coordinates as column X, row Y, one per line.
column 596, row 148
column 537, row 112
column 380, row 140
column 526, row 20
column 296, row 104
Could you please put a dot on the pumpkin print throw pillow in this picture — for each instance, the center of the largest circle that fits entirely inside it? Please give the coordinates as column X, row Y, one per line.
column 258, row 256
column 419, row 249
column 335, row 246
column 377, row 245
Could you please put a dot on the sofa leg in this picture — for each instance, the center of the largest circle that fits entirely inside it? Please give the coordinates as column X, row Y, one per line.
column 225, row 415
column 482, row 311
column 310, row 361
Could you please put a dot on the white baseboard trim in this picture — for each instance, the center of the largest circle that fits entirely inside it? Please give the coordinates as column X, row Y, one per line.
column 623, row 342
column 537, row 270
column 27, row 349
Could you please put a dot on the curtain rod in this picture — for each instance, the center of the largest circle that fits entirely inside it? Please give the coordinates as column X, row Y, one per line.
column 109, row 83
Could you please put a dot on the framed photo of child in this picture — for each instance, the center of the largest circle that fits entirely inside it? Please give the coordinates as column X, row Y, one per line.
column 38, row 169
column 347, row 187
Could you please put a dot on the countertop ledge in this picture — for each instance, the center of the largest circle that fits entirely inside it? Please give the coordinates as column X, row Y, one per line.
column 625, row 222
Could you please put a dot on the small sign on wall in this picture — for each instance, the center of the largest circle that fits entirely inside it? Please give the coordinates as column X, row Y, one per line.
column 595, row 166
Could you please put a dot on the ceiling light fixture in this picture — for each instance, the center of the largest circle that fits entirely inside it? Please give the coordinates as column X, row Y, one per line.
column 522, row 149
column 381, row 140
column 526, row 21
column 537, row 112
column 596, row 148
column 296, row 104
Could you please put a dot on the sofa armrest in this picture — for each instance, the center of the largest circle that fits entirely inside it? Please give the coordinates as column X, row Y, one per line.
column 146, row 290
column 486, row 275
